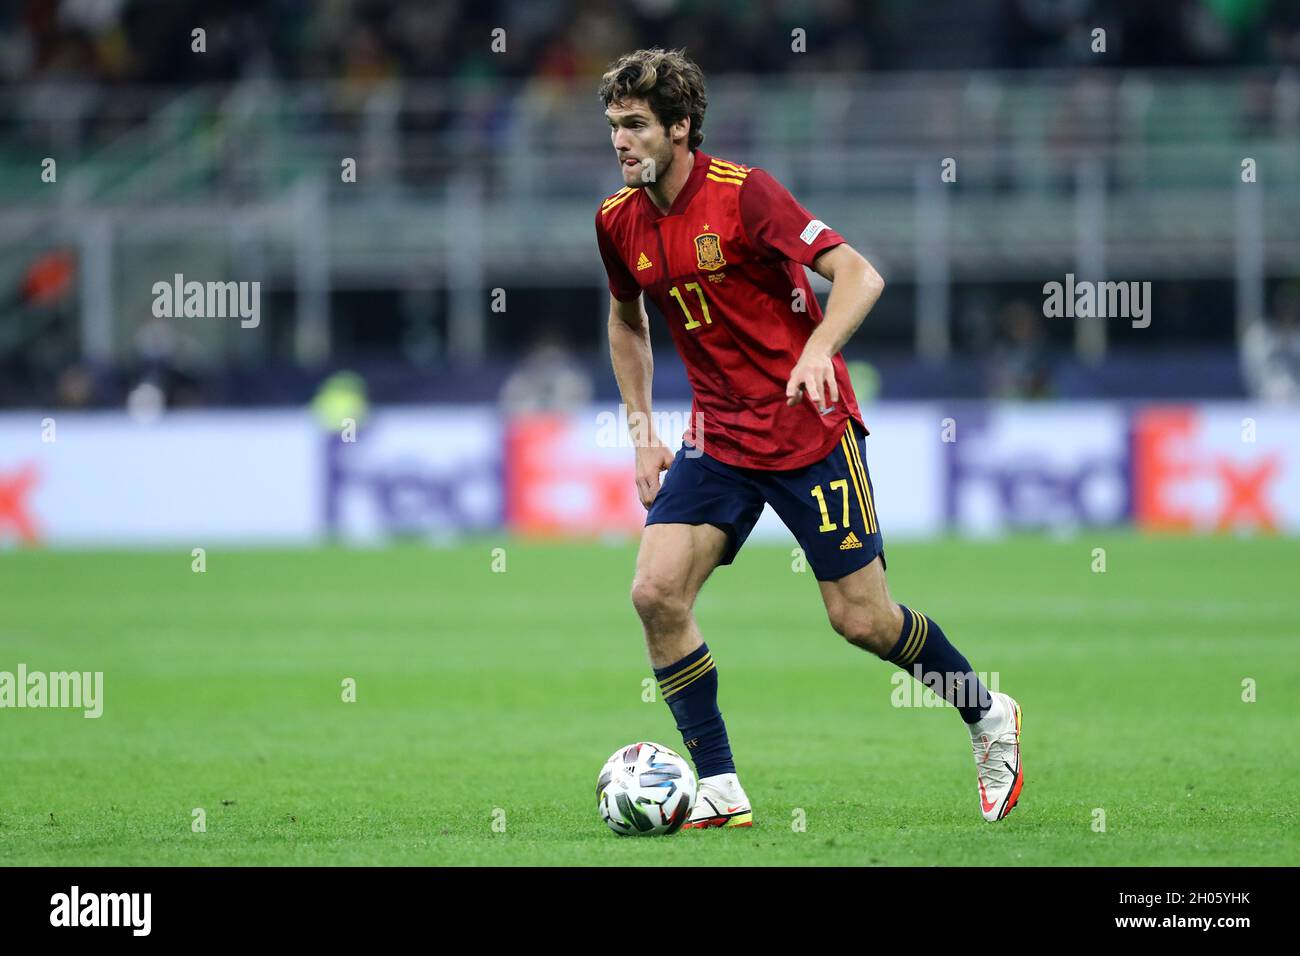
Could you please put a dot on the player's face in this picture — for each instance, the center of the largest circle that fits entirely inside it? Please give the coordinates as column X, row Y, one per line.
column 643, row 146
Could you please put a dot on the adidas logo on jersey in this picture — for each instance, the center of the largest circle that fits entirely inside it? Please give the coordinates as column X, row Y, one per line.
column 643, row 263
column 850, row 542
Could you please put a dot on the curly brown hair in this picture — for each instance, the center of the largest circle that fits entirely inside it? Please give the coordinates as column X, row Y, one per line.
column 667, row 80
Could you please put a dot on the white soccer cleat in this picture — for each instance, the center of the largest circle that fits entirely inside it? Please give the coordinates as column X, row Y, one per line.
column 996, row 742
column 720, row 802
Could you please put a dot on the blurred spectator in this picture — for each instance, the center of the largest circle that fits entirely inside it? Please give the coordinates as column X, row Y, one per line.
column 159, row 345
column 40, row 334
column 341, row 397
column 75, row 387
column 48, row 280
column 1021, row 361
column 549, row 378
column 368, row 41
column 1270, row 350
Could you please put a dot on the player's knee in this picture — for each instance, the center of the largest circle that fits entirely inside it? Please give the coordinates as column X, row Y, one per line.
column 870, row 628
column 657, row 603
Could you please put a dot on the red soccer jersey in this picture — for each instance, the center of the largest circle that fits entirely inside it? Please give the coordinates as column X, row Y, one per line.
column 725, row 265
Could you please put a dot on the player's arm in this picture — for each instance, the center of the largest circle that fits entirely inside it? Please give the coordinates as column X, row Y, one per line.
column 781, row 228
column 855, row 287
column 631, row 355
column 633, row 361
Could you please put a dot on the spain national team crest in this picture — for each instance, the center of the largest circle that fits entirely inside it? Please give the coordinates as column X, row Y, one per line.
column 708, row 252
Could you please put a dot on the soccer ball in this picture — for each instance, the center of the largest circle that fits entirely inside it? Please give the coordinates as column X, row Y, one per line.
column 645, row 789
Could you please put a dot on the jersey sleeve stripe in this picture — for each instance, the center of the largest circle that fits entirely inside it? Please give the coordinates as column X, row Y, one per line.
column 720, row 179
column 726, row 165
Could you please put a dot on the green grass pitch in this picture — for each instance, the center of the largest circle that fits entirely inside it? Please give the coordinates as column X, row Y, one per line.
column 480, row 691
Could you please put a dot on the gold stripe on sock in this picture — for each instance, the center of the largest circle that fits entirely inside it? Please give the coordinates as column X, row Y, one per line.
column 677, row 680
column 925, row 632
column 911, row 636
column 686, row 684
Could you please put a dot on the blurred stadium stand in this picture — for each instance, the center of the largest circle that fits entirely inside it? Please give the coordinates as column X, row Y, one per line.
column 479, row 171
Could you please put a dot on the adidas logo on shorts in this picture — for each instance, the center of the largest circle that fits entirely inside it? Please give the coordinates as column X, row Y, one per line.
column 850, row 542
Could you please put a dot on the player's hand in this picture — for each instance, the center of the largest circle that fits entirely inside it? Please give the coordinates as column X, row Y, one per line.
column 814, row 375
column 650, row 461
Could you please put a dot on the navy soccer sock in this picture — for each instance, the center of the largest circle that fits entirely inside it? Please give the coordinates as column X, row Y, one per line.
column 923, row 650
column 690, row 688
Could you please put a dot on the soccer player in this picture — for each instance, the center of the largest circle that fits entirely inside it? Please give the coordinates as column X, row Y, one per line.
column 721, row 248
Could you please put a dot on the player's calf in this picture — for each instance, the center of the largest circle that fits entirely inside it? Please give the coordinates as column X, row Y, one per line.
column 665, row 614
column 871, row 627
column 671, row 566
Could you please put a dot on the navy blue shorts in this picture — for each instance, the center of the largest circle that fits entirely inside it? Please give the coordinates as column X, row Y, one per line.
column 829, row 506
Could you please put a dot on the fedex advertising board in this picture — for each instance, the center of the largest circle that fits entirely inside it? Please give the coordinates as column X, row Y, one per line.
column 197, row 477
column 1035, row 467
column 1216, row 468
